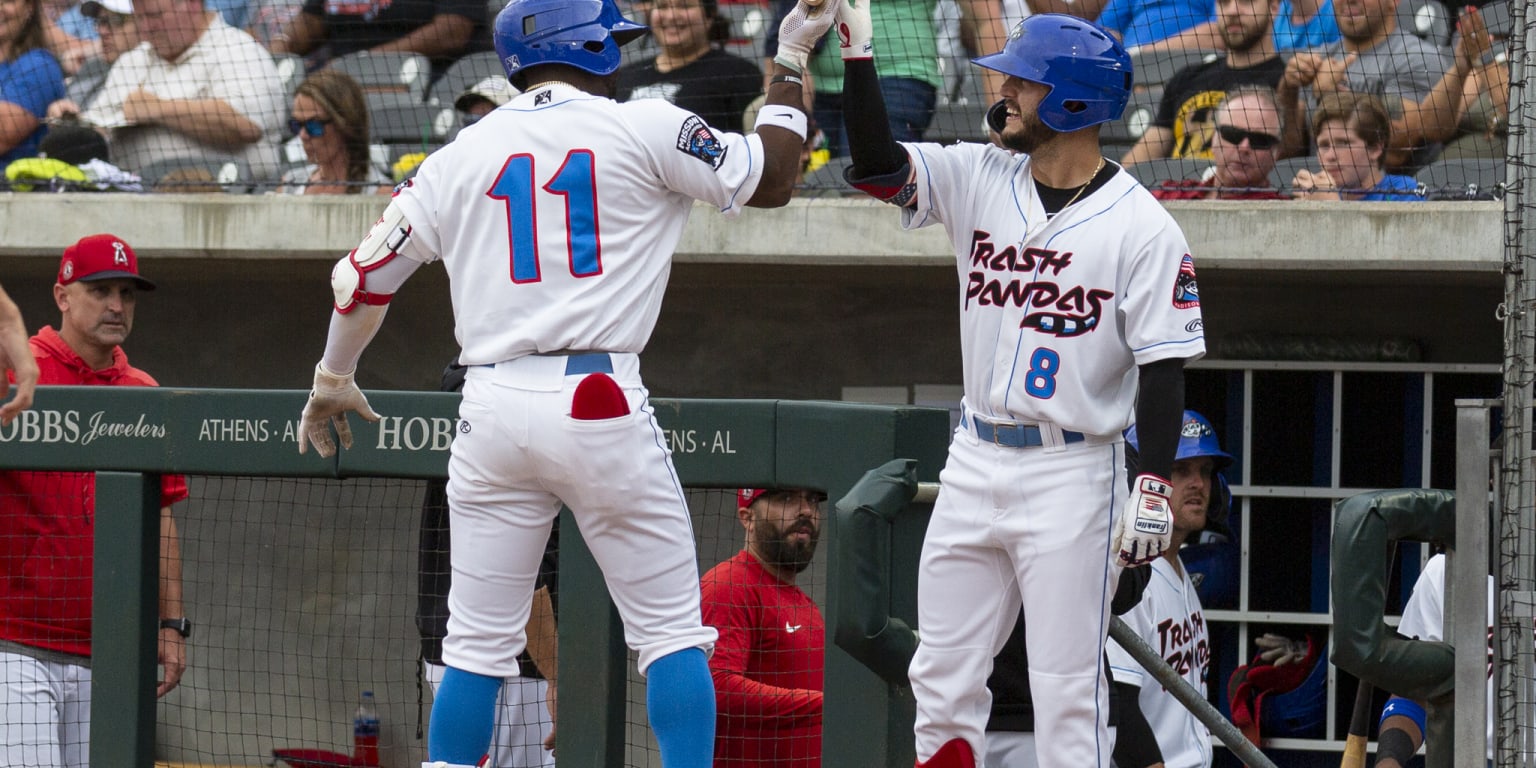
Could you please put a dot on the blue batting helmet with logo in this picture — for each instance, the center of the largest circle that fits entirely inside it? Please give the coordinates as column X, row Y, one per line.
column 585, row 34
column 1196, row 438
column 1087, row 69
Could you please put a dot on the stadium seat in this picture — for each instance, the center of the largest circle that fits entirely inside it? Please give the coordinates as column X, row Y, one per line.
column 400, row 120
column 290, row 71
column 197, row 174
column 1285, row 170
column 465, row 73
column 1471, row 178
column 957, row 122
column 749, row 28
column 1496, row 18
column 1152, row 172
column 1156, row 68
column 828, row 179
column 1133, row 122
column 387, row 73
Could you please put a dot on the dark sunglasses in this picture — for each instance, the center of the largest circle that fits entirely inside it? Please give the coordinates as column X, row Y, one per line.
column 314, row 126
column 1256, row 139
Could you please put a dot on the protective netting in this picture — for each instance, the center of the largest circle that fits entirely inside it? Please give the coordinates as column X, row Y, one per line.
column 304, row 96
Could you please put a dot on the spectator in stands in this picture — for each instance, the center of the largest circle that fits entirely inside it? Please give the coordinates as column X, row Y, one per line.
column 30, row 79
column 16, row 360
column 1149, row 25
column 1303, row 24
column 691, row 68
column 330, row 117
column 479, row 99
column 1482, row 116
column 907, row 65
column 1247, row 143
column 199, row 89
column 47, row 529
column 767, row 664
column 69, row 33
column 117, row 33
column 441, row 30
column 1409, row 75
column 1185, row 119
column 1353, row 132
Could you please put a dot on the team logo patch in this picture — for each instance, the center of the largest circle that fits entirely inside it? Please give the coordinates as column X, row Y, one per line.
column 1196, row 428
column 1186, row 292
column 543, row 97
column 696, row 140
column 119, row 256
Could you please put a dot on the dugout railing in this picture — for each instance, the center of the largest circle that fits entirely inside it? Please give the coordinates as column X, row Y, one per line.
column 131, row 435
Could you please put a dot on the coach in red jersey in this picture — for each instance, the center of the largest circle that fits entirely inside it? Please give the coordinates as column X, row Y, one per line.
column 47, row 528
column 767, row 664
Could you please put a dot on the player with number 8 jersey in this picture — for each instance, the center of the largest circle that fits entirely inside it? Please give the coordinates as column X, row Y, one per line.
column 556, row 216
column 1078, row 310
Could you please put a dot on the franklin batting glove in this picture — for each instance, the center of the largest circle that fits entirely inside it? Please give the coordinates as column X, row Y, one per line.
column 801, row 29
column 331, row 398
column 855, row 31
column 1144, row 529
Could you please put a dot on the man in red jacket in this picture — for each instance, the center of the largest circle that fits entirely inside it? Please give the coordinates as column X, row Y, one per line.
column 47, row 525
column 767, row 664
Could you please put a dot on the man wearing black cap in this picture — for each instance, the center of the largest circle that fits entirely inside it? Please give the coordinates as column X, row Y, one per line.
column 47, row 528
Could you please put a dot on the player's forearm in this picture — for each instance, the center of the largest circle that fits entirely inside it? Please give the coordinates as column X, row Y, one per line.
column 1135, row 743
column 1399, row 739
column 739, row 696
column 870, row 143
column 1159, row 413
column 349, row 335
column 170, row 567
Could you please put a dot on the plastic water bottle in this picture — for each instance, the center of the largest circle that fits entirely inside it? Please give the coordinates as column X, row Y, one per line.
column 365, row 732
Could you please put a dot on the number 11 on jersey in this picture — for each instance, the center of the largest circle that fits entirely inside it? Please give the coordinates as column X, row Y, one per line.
column 576, row 183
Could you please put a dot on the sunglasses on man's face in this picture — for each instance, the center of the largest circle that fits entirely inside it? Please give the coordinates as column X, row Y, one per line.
column 314, row 126
column 1256, row 139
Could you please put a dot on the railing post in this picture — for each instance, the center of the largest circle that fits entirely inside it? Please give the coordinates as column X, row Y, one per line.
column 124, row 617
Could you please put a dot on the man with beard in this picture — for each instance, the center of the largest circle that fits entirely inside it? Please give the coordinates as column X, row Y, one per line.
column 1186, row 116
column 1079, row 308
column 1415, row 79
column 767, row 664
column 1169, row 616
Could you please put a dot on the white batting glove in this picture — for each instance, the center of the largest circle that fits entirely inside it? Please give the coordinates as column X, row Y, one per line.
column 332, row 396
column 855, row 31
column 801, row 29
column 1144, row 529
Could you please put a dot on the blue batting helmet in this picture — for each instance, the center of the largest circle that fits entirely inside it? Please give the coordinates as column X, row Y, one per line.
column 585, row 34
column 1087, row 70
column 1196, row 438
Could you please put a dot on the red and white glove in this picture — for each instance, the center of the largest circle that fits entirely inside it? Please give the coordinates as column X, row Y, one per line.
column 1145, row 528
column 801, row 29
column 331, row 398
column 855, row 31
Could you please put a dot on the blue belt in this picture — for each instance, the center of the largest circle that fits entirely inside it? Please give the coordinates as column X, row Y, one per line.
column 588, row 362
column 1016, row 435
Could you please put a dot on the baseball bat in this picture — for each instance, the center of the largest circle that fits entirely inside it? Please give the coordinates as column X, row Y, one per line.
column 1220, row 727
column 1359, row 728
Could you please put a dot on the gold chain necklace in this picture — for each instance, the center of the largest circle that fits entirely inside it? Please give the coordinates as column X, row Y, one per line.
column 1084, row 187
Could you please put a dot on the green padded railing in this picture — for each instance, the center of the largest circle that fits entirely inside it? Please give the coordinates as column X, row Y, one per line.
column 129, row 435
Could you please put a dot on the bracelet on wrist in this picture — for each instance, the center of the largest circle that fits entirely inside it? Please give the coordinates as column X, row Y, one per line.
column 787, row 79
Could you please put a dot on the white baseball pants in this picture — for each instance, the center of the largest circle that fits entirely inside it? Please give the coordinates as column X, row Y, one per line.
column 45, row 713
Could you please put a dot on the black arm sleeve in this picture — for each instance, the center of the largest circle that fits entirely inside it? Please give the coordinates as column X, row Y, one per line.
column 1135, row 744
column 873, row 150
column 1159, row 413
column 1133, row 583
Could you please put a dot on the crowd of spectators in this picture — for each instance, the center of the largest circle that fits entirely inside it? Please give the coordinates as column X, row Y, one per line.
column 182, row 84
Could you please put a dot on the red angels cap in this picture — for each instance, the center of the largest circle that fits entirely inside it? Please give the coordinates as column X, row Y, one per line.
column 745, row 496
column 101, row 257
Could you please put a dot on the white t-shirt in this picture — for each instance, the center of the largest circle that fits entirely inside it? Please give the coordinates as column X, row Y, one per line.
column 226, row 64
column 1424, row 617
column 556, row 216
column 1170, row 620
column 1055, row 314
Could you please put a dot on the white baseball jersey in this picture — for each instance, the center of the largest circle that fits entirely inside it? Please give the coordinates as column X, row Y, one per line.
column 1169, row 619
column 1055, row 314
column 1424, row 617
column 550, row 246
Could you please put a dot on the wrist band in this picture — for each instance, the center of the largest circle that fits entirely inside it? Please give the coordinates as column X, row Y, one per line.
column 782, row 116
column 787, row 79
column 796, row 67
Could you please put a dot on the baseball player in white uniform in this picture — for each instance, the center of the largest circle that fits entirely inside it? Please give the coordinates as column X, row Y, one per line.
column 1170, row 619
column 1078, row 310
column 556, row 216
column 1403, row 720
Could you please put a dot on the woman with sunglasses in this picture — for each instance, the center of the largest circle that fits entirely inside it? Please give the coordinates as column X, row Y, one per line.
column 30, row 79
column 330, row 117
column 1352, row 133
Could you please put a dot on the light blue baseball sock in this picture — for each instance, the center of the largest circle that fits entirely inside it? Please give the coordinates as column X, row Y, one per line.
column 463, row 714
column 680, row 701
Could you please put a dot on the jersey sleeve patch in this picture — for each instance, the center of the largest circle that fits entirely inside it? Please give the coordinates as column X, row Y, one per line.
column 696, row 140
column 1186, row 292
